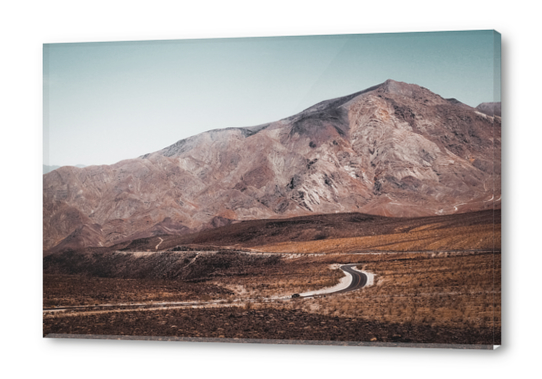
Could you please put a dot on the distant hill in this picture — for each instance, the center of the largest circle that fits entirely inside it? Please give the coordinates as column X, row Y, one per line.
column 491, row 109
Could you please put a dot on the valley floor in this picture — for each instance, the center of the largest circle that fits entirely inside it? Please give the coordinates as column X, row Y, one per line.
column 417, row 297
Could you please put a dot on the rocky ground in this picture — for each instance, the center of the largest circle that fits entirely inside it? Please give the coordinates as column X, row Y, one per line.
column 448, row 294
column 73, row 290
column 262, row 323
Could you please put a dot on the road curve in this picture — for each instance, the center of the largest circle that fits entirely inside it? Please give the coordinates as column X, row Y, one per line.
column 159, row 243
column 357, row 280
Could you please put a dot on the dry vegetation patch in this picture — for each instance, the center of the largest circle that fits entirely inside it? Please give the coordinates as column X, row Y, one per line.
column 73, row 290
column 446, row 291
column 472, row 237
column 435, row 281
column 83, row 279
column 258, row 322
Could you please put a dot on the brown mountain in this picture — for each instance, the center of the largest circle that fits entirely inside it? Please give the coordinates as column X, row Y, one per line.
column 395, row 149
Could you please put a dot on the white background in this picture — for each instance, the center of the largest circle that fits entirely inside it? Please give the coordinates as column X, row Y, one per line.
column 25, row 25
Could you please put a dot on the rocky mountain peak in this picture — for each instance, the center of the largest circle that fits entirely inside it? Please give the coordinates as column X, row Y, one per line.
column 394, row 149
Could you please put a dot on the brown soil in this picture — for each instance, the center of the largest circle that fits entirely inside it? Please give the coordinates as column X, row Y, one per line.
column 447, row 294
column 477, row 237
column 72, row 290
column 250, row 275
column 322, row 227
column 161, row 265
column 261, row 323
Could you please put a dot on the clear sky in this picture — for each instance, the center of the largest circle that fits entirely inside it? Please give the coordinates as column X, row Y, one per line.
column 109, row 101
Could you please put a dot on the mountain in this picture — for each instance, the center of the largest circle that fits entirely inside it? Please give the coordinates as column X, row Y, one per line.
column 395, row 149
column 47, row 169
column 490, row 109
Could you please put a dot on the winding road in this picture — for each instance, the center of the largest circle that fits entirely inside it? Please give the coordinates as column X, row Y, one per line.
column 359, row 279
column 356, row 281
column 159, row 243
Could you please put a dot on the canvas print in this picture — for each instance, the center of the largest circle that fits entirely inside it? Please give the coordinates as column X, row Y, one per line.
column 341, row 190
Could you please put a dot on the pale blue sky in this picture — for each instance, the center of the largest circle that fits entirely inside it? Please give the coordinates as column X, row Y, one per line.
column 108, row 101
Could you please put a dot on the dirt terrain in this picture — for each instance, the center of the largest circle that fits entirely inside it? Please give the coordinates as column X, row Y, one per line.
column 446, row 294
column 332, row 227
column 261, row 323
column 220, row 274
column 74, row 290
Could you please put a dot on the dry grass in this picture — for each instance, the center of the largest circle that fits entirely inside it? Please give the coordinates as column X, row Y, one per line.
column 298, row 275
column 440, row 291
column 73, row 290
column 457, row 238
column 432, row 281
column 451, row 297
column 237, row 281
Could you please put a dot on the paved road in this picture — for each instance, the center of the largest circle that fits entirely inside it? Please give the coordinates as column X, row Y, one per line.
column 359, row 279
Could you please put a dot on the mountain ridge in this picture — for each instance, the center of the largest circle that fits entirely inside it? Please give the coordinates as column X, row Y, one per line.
column 394, row 149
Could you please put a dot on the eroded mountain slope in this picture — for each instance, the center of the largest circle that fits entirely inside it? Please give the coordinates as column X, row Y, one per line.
column 395, row 149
